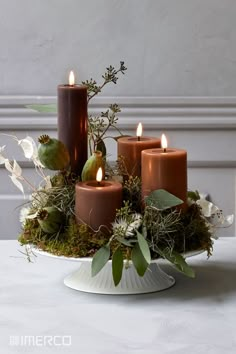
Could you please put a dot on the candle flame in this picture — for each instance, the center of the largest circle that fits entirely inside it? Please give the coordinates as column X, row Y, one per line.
column 99, row 175
column 163, row 141
column 71, row 78
column 139, row 130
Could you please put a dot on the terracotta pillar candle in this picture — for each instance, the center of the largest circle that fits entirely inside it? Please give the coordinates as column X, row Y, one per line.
column 165, row 168
column 96, row 202
column 130, row 149
column 73, row 122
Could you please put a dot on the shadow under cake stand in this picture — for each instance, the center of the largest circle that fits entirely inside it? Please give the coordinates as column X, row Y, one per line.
column 154, row 279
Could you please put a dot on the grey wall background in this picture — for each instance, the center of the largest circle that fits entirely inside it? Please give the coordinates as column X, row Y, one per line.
column 171, row 47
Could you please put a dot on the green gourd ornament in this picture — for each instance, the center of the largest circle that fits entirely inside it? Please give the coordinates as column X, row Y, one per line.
column 92, row 165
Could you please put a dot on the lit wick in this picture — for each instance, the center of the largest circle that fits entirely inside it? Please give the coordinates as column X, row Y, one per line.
column 163, row 142
column 99, row 176
column 139, row 131
column 71, row 78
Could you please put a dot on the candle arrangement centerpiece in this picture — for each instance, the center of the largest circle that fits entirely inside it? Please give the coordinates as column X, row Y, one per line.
column 130, row 213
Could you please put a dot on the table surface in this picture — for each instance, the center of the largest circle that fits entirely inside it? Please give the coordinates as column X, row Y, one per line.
column 195, row 316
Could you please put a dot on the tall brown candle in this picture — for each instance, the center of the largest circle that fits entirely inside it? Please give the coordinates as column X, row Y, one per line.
column 130, row 149
column 73, row 123
column 165, row 168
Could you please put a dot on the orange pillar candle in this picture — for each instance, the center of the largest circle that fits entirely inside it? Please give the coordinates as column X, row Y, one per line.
column 130, row 149
column 165, row 168
column 96, row 202
column 73, row 122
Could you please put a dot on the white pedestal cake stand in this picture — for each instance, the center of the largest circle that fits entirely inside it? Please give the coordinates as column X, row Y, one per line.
column 155, row 279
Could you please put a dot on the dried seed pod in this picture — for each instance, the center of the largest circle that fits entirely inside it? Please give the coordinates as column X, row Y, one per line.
column 50, row 219
column 91, row 166
column 52, row 153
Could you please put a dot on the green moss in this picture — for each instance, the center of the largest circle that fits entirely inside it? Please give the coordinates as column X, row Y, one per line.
column 181, row 231
column 75, row 240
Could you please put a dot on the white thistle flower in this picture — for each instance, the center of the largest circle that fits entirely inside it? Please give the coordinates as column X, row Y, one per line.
column 128, row 228
column 23, row 215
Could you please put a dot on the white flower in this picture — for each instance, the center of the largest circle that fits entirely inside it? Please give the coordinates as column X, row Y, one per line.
column 128, row 228
column 207, row 207
column 24, row 214
column 214, row 215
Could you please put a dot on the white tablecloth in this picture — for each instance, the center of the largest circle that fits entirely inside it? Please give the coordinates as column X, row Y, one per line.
column 195, row 316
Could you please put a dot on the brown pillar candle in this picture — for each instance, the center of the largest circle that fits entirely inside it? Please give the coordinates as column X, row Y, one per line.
column 73, row 123
column 130, row 149
column 96, row 202
column 165, row 168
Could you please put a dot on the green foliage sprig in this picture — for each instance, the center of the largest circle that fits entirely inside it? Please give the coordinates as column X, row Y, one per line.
column 110, row 75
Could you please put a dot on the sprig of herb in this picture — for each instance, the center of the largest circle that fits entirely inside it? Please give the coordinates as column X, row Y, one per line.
column 110, row 75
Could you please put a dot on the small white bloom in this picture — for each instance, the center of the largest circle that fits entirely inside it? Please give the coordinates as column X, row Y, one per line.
column 214, row 215
column 135, row 224
column 24, row 214
column 128, row 228
column 218, row 219
column 207, row 207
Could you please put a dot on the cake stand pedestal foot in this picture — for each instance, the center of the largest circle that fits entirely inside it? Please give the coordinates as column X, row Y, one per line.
column 155, row 279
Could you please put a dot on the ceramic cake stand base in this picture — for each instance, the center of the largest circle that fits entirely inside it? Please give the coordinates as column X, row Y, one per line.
column 131, row 283
column 155, row 279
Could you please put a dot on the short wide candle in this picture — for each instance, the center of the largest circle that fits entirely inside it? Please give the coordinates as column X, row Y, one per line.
column 96, row 202
column 165, row 170
column 130, row 149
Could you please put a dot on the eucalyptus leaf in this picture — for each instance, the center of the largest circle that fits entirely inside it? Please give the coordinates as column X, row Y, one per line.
column 43, row 108
column 117, row 265
column 127, row 242
column 161, row 199
column 178, row 261
column 144, row 248
column 138, row 260
column 100, row 259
